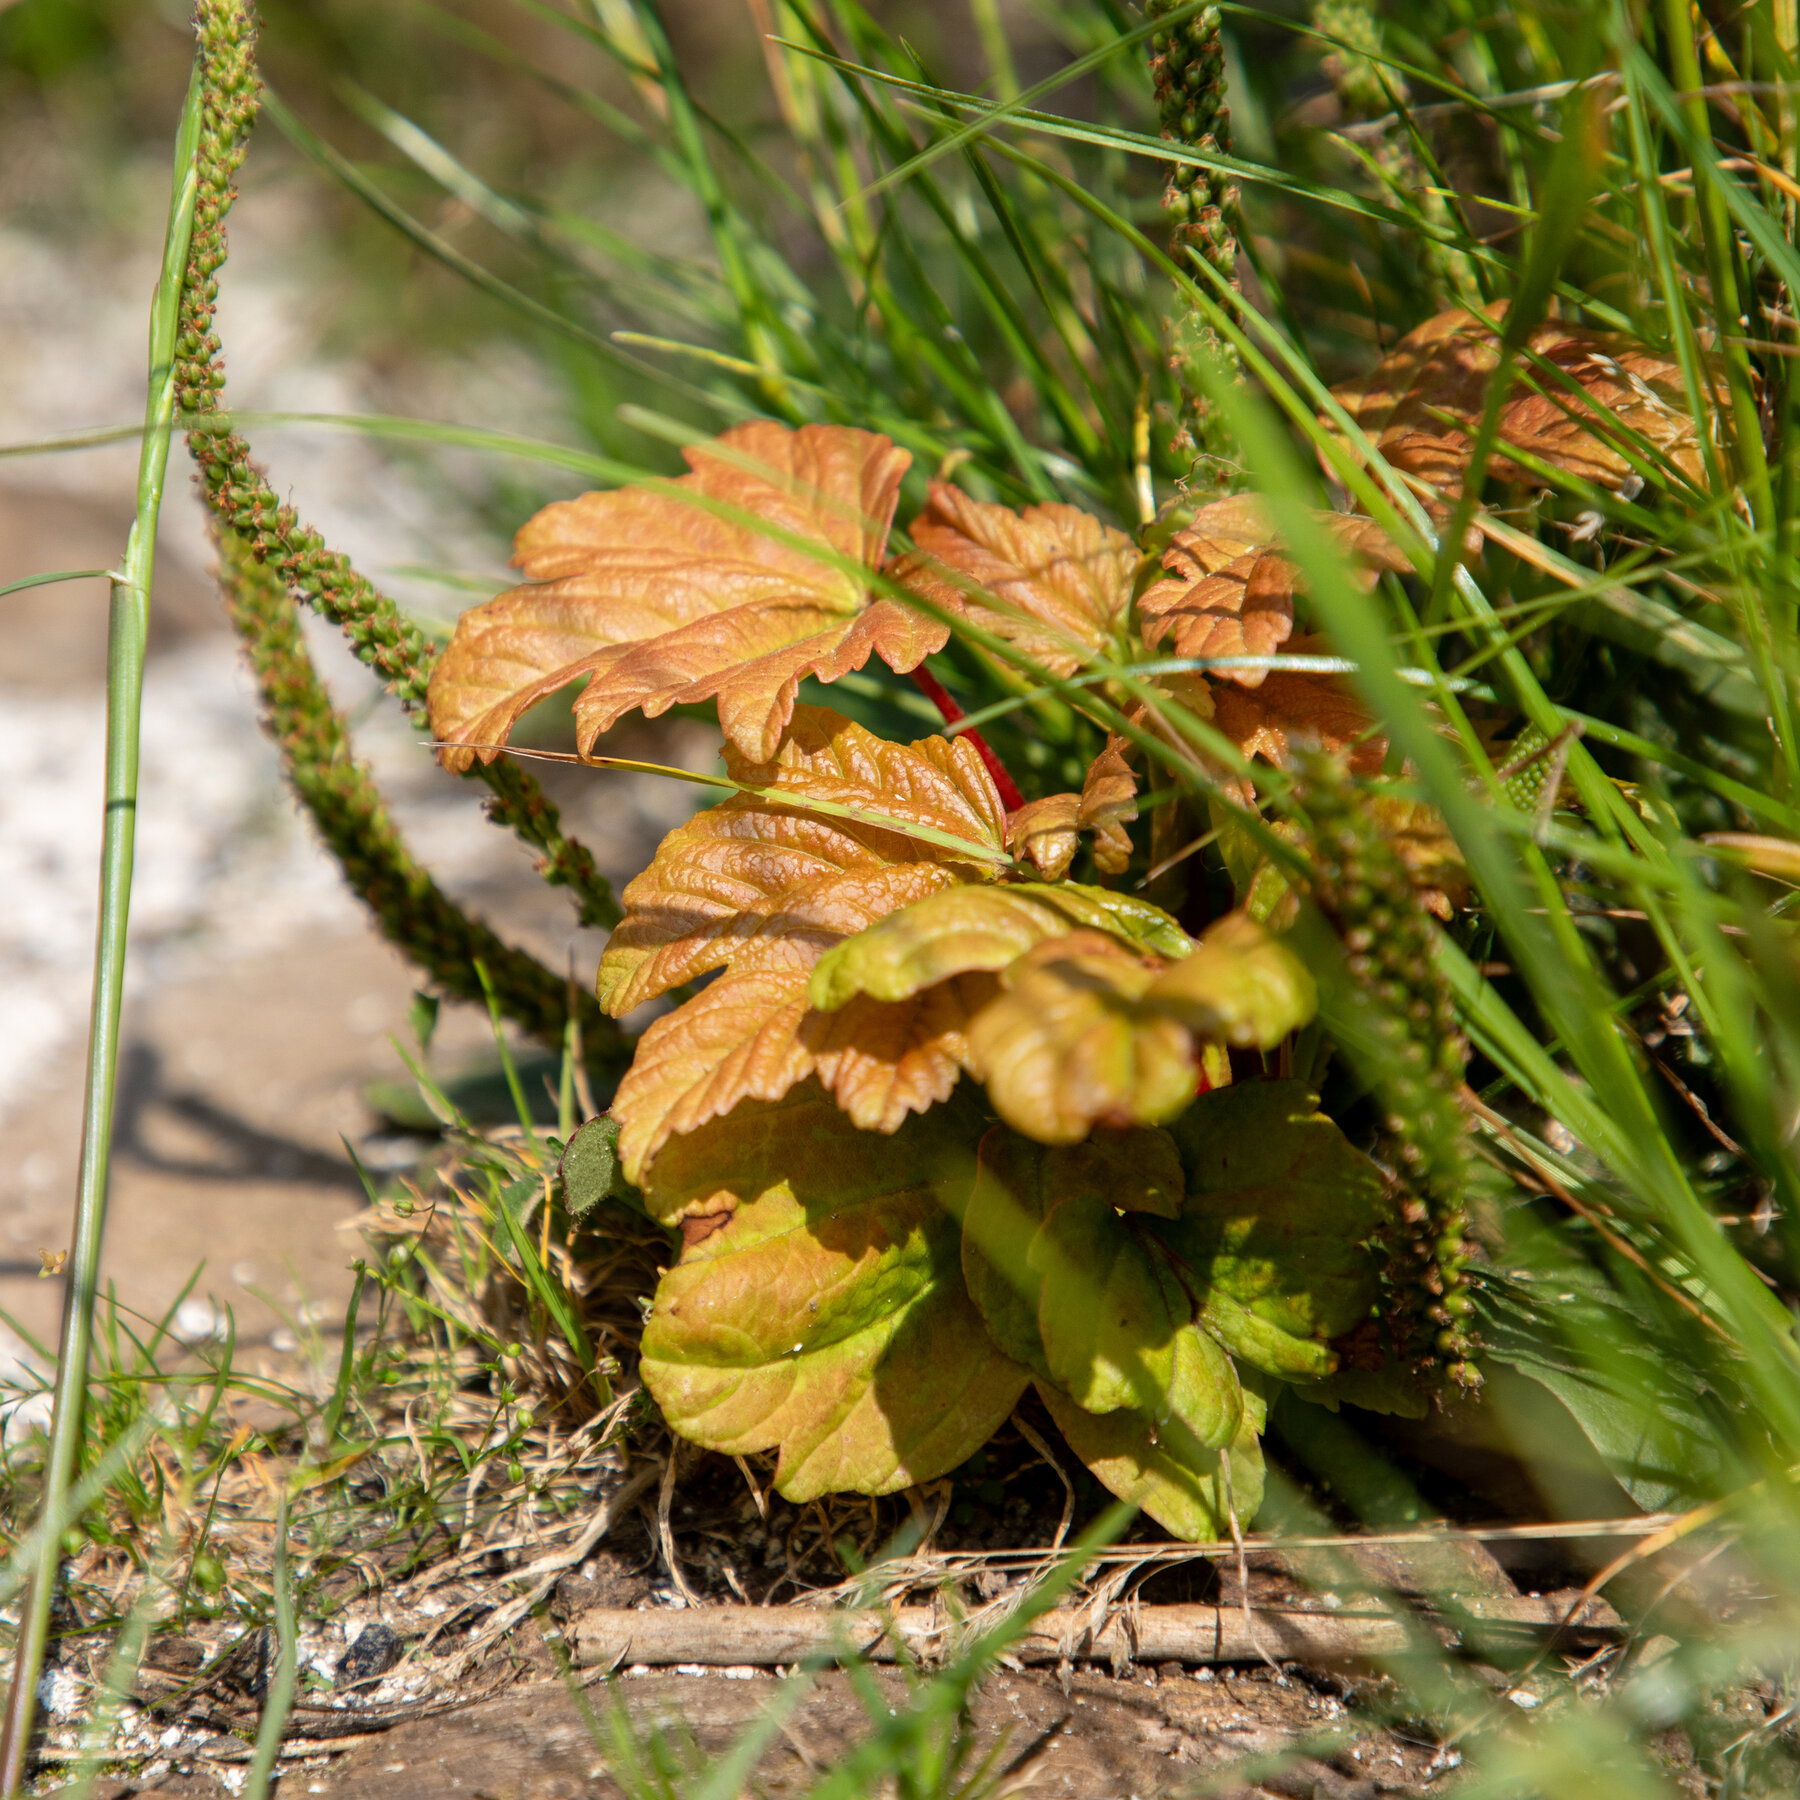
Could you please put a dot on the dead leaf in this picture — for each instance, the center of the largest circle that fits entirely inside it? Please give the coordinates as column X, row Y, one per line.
column 1052, row 580
column 758, row 884
column 654, row 599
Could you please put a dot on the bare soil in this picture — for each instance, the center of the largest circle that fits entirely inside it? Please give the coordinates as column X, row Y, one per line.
column 1086, row 1735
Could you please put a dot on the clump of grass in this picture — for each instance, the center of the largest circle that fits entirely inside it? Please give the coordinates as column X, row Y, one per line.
column 985, row 279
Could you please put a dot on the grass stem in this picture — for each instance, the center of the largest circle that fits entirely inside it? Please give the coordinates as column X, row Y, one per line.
column 127, row 636
column 278, row 1701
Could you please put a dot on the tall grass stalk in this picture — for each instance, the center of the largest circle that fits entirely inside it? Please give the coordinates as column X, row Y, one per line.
column 127, row 638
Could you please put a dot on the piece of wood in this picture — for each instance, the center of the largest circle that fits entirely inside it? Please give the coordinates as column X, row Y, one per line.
column 763, row 1636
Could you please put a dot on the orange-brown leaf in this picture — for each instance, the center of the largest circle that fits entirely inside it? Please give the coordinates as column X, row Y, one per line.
column 1044, row 831
column 735, row 1040
column 755, row 884
column 751, row 1035
column 653, row 598
column 1053, row 580
column 1422, row 402
column 941, row 783
column 1226, row 597
column 1422, row 841
column 1288, row 708
column 883, row 1059
column 1109, row 804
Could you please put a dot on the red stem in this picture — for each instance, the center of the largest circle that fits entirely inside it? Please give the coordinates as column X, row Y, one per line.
column 934, row 691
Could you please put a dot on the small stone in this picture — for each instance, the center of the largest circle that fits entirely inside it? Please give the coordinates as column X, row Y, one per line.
column 377, row 1648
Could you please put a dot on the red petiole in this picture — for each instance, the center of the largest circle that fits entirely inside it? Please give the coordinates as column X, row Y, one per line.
column 935, row 691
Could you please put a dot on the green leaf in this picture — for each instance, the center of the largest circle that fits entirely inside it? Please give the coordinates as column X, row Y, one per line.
column 422, row 1016
column 826, row 1315
column 1254, row 1340
column 1107, row 1324
column 1393, row 1389
column 1173, row 1468
column 590, row 1171
column 1018, row 1183
column 1641, row 1408
column 965, row 928
column 1004, row 1210
column 1276, row 1227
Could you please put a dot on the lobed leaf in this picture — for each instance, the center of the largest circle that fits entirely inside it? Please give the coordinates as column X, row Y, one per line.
column 1196, row 1471
column 1106, row 1319
column 881, row 1060
column 1052, row 580
column 1046, row 833
column 1274, row 1235
column 1060, row 1280
column 757, row 884
column 1288, row 709
column 937, row 783
column 1066, row 1046
column 1422, row 402
column 825, row 1316
column 1108, row 805
column 1231, row 590
column 1242, row 986
column 970, row 927
column 752, row 1035
column 738, row 1039
column 731, row 584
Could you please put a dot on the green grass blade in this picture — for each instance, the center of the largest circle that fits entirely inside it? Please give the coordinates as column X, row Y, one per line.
column 127, row 641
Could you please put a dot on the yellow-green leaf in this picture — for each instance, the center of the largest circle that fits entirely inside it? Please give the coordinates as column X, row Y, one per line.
column 826, row 1316
column 1067, row 1046
column 982, row 928
column 1242, row 986
column 1106, row 1319
column 1195, row 1470
column 1019, row 1182
column 1279, row 1215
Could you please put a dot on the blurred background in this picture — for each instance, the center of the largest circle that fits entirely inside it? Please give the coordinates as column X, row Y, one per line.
column 260, row 999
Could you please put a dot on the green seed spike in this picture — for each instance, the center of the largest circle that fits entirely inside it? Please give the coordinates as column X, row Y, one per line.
column 1417, row 1056
column 246, row 506
column 1526, row 769
column 413, row 912
column 1187, row 64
